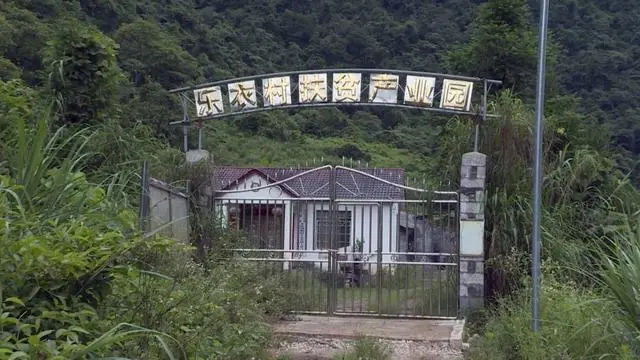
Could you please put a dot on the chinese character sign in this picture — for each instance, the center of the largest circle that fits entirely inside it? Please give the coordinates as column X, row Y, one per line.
column 208, row 101
column 383, row 88
column 313, row 88
column 242, row 95
column 276, row 91
column 346, row 87
column 456, row 95
column 419, row 90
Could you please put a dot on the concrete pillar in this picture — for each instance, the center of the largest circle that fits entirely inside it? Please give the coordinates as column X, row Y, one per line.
column 472, row 201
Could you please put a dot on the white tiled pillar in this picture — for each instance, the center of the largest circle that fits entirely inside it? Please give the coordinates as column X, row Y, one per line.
column 472, row 201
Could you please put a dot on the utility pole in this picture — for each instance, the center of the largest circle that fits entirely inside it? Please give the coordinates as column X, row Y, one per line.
column 537, row 180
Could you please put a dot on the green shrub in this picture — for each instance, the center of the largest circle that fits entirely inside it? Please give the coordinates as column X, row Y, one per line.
column 217, row 310
column 57, row 266
column 575, row 324
column 79, row 280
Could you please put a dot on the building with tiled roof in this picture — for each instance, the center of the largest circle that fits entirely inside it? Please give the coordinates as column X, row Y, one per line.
column 349, row 184
column 292, row 210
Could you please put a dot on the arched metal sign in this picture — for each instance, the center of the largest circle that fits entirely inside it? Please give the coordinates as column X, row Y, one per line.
column 449, row 94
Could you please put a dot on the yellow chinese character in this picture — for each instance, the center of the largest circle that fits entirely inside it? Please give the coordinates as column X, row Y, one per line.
column 346, row 87
column 384, row 81
column 313, row 88
column 419, row 90
column 242, row 95
column 208, row 101
column 386, row 86
column 276, row 91
column 456, row 95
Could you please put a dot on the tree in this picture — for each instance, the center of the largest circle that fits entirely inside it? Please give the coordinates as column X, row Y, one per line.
column 502, row 46
column 146, row 49
column 83, row 72
column 22, row 38
column 9, row 70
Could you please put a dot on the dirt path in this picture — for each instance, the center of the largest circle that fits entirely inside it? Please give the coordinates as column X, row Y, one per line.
column 321, row 337
column 306, row 348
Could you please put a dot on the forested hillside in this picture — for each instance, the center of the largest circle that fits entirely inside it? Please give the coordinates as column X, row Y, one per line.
column 166, row 44
column 84, row 99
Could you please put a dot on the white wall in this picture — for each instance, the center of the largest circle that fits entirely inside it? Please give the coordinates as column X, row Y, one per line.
column 271, row 195
column 274, row 192
column 364, row 227
column 299, row 219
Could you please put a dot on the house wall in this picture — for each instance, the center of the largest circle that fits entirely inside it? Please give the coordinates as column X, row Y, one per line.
column 365, row 227
column 271, row 195
column 369, row 221
column 274, row 192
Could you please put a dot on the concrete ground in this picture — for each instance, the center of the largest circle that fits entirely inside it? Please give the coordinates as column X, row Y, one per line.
column 322, row 337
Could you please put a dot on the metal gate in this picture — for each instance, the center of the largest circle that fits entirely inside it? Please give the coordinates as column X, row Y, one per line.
column 347, row 241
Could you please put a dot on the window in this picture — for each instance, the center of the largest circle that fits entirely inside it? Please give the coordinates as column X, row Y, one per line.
column 323, row 229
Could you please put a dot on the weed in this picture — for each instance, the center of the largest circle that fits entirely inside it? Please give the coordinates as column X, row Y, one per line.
column 365, row 348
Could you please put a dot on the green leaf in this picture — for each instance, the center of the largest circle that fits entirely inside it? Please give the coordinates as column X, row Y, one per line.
column 185, row 329
column 61, row 332
column 19, row 355
column 166, row 348
column 34, row 340
column 15, row 300
column 44, row 333
column 79, row 329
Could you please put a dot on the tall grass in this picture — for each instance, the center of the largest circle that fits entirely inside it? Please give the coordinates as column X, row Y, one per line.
column 575, row 324
column 582, row 187
column 619, row 272
column 589, row 227
column 61, row 241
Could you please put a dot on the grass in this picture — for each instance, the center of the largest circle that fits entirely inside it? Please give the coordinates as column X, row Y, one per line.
column 575, row 324
column 620, row 271
column 366, row 348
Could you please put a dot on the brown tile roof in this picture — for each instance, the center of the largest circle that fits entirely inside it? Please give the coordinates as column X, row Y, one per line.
column 350, row 185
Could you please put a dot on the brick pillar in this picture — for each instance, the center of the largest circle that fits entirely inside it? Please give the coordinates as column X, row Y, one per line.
column 472, row 201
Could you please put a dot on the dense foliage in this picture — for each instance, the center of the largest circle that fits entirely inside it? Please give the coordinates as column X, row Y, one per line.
column 80, row 281
column 166, row 44
column 83, row 99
